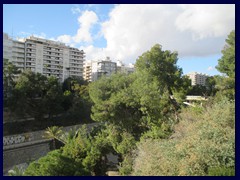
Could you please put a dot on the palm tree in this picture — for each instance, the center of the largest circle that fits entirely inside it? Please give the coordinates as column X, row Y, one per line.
column 54, row 133
column 70, row 135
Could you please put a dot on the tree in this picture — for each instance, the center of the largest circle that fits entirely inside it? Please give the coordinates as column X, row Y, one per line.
column 54, row 133
column 54, row 97
column 146, row 100
column 226, row 64
column 9, row 73
column 36, row 95
column 76, row 100
column 198, row 90
column 202, row 144
column 115, row 103
column 211, row 86
column 162, row 65
column 55, row 164
column 28, row 95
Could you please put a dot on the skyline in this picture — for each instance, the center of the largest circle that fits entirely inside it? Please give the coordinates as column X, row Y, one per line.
column 124, row 32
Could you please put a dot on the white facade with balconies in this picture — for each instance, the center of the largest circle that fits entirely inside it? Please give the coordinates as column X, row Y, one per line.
column 44, row 56
column 14, row 51
column 95, row 69
column 197, row 78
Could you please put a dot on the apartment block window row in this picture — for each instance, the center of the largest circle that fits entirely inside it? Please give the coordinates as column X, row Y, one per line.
column 44, row 56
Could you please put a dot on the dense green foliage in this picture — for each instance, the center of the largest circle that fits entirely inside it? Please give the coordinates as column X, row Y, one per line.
column 55, row 164
column 35, row 95
column 9, row 73
column 142, row 101
column 85, row 152
column 226, row 65
column 201, row 141
column 141, row 120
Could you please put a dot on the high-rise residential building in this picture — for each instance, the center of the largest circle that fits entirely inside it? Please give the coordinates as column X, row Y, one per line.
column 197, row 78
column 44, row 56
column 87, row 71
column 122, row 68
column 95, row 69
column 14, row 51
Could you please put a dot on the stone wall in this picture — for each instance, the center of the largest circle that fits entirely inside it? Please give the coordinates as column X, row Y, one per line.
column 22, row 138
column 24, row 153
column 36, row 135
column 23, row 148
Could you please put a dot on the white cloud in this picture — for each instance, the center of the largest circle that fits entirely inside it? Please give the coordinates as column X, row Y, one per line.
column 94, row 53
column 41, row 35
column 210, row 68
column 192, row 30
column 209, row 20
column 75, row 9
column 134, row 29
column 86, row 21
column 64, row 38
column 26, row 34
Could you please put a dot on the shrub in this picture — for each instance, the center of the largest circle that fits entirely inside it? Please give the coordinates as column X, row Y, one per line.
column 201, row 141
column 221, row 171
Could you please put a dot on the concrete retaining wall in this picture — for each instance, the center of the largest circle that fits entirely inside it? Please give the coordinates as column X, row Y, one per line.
column 22, row 153
column 27, row 147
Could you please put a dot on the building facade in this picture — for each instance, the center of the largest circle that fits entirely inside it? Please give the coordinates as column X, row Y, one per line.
column 87, row 71
column 122, row 68
column 44, row 56
column 95, row 69
column 197, row 78
column 14, row 51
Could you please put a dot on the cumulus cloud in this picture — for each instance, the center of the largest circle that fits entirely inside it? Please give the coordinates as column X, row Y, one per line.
column 86, row 20
column 192, row 30
column 131, row 29
column 209, row 20
column 65, row 39
column 94, row 53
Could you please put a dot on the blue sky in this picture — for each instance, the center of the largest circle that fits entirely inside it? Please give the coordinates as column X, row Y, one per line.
column 124, row 32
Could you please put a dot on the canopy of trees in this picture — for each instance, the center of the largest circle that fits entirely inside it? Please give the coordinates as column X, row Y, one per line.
column 201, row 142
column 141, row 119
column 226, row 65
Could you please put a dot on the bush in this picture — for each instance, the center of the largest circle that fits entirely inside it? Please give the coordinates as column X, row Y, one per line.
column 55, row 164
column 201, row 141
column 221, row 171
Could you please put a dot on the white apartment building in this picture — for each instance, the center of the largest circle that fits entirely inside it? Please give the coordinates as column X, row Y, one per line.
column 122, row 68
column 14, row 51
column 197, row 78
column 95, row 69
column 47, row 57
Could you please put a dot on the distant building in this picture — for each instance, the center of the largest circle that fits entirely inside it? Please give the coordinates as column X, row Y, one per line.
column 14, row 51
column 197, row 78
column 87, row 71
column 95, row 69
column 125, row 69
column 44, row 56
